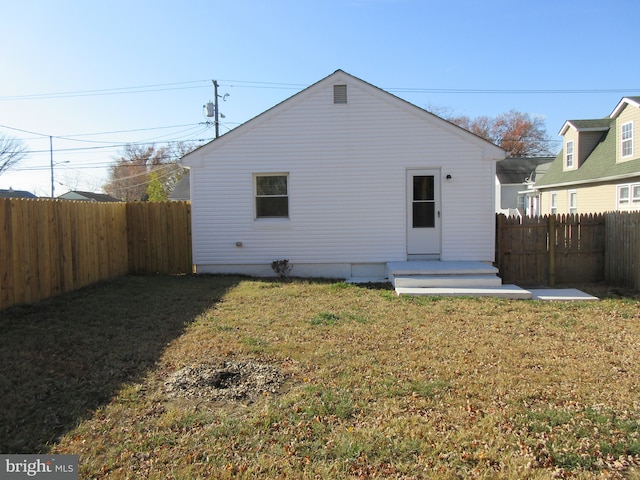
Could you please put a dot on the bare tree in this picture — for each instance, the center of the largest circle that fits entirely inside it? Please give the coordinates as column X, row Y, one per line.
column 140, row 166
column 12, row 151
column 519, row 134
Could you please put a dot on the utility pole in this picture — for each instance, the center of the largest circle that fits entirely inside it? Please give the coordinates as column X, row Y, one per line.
column 215, row 96
column 211, row 108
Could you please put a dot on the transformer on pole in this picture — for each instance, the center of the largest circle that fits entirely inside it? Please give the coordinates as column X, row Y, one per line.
column 211, row 108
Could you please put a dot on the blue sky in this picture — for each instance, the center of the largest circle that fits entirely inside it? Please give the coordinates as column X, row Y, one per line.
column 97, row 75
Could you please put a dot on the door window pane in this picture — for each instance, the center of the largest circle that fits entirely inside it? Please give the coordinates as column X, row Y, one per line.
column 423, row 188
column 424, row 204
column 424, row 215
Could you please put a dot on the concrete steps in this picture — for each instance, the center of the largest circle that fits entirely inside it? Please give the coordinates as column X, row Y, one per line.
column 430, row 281
column 473, row 279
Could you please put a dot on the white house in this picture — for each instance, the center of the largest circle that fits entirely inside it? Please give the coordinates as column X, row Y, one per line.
column 340, row 179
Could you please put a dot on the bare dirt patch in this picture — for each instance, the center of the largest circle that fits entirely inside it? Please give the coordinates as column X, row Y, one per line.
column 226, row 381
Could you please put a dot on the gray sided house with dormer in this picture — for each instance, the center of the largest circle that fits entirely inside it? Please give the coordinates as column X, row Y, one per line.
column 598, row 168
column 515, row 177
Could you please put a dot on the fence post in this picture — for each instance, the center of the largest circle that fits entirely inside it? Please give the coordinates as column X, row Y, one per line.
column 552, row 249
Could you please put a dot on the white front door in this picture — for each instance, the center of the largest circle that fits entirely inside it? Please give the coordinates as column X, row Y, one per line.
column 423, row 214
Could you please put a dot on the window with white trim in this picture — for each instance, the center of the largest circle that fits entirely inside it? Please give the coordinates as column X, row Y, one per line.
column 553, row 203
column 628, row 196
column 626, row 147
column 271, row 192
column 573, row 201
column 623, row 196
column 568, row 156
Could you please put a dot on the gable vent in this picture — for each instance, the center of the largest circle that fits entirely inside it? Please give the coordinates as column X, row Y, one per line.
column 339, row 94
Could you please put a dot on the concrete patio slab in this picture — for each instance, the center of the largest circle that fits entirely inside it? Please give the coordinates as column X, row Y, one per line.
column 561, row 294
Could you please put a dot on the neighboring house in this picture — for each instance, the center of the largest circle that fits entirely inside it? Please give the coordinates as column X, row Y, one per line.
column 340, row 179
column 514, row 181
column 11, row 193
column 181, row 190
column 598, row 168
column 88, row 197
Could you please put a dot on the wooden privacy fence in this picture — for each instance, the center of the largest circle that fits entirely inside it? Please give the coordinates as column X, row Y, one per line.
column 159, row 237
column 622, row 254
column 564, row 249
column 48, row 247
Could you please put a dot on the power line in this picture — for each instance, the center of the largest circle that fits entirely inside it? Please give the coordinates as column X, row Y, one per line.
column 106, row 91
column 115, row 145
column 193, row 131
column 514, row 91
column 202, row 84
column 68, row 137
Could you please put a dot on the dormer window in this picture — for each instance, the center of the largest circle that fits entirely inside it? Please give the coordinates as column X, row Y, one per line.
column 627, row 140
column 339, row 94
column 569, row 155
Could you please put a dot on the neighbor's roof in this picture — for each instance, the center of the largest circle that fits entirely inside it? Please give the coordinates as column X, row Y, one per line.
column 16, row 194
column 517, row 170
column 635, row 101
column 182, row 190
column 599, row 166
column 596, row 125
column 96, row 197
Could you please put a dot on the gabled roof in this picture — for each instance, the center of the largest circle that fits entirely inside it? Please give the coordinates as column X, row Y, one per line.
column 634, row 101
column 16, row 194
column 597, row 125
column 520, row 169
column 337, row 75
column 88, row 196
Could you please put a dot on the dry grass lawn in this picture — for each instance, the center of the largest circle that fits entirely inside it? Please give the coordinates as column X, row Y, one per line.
column 375, row 386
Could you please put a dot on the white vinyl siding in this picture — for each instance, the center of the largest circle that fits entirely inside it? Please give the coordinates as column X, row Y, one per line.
column 346, row 182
